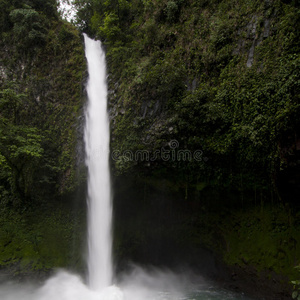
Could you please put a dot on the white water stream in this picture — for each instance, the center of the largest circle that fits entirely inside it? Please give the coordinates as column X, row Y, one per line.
column 97, row 160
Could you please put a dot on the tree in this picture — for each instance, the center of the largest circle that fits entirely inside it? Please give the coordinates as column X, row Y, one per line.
column 29, row 27
column 20, row 146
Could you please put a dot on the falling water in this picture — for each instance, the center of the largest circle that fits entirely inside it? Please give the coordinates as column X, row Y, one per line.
column 97, row 160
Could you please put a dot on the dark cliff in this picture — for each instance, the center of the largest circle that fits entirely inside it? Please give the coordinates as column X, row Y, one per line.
column 204, row 106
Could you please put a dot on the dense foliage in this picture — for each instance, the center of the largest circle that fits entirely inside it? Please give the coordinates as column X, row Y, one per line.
column 42, row 66
column 217, row 76
column 218, row 80
column 40, row 99
column 204, row 105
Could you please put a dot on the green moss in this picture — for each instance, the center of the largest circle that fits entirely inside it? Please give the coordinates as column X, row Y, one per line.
column 266, row 238
column 40, row 241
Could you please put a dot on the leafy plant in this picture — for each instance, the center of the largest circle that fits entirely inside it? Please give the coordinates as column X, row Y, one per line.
column 296, row 284
column 29, row 26
column 171, row 11
column 20, row 145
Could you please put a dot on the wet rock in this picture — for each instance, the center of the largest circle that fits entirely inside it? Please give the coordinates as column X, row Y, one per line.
column 266, row 32
column 251, row 55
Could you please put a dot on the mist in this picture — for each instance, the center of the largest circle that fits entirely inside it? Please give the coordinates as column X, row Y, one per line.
column 136, row 284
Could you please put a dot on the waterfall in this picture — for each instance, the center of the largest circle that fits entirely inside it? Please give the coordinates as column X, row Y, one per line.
column 97, row 160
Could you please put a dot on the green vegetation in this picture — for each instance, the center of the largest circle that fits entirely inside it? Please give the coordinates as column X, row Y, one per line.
column 39, row 240
column 42, row 67
column 20, row 146
column 216, row 76
column 220, row 78
column 296, row 283
column 265, row 238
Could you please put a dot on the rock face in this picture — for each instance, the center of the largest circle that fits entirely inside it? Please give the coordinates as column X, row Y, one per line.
column 216, row 75
column 218, row 79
